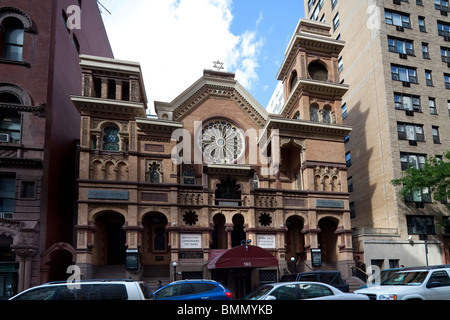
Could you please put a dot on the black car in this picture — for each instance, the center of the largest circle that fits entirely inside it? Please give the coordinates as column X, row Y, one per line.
column 330, row 277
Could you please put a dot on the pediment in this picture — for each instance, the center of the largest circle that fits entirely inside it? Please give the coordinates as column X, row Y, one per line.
column 213, row 85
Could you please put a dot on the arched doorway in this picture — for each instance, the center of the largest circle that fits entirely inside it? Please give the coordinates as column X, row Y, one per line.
column 110, row 238
column 238, row 233
column 328, row 239
column 295, row 240
column 155, row 251
column 219, row 235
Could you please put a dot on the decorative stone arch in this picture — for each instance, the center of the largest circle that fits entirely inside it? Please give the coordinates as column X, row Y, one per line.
column 11, row 12
column 18, row 92
column 295, row 240
column 46, row 258
column 328, row 238
column 149, row 211
column 93, row 215
column 318, row 70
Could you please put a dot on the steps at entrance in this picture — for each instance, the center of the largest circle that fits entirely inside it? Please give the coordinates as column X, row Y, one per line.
column 109, row 272
column 153, row 284
column 354, row 283
column 151, row 274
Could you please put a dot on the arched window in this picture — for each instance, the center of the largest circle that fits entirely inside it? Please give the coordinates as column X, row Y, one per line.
column 111, row 139
column 12, row 39
column 314, row 113
column 327, row 114
column 293, row 80
column 154, row 172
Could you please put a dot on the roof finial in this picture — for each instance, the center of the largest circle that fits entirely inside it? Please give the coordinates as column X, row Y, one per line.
column 218, row 65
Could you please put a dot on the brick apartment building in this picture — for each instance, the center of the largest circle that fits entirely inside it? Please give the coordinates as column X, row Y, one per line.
column 39, row 69
column 396, row 62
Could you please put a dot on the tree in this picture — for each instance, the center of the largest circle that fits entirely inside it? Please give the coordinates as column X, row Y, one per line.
column 435, row 176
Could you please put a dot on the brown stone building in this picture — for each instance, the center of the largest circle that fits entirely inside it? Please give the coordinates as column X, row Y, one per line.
column 214, row 183
column 39, row 69
column 396, row 62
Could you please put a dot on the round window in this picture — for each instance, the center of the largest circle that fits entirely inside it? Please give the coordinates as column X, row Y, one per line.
column 221, row 142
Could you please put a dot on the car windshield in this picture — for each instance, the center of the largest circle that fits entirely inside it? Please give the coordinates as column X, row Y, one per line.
column 258, row 293
column 415, row 278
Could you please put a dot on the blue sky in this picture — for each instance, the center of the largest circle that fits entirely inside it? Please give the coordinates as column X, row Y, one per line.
column 174, row 40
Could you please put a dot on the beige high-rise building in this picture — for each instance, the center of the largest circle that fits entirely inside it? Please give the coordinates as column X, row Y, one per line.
column 397, row 64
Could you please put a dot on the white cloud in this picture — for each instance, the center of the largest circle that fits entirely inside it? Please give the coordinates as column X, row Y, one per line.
column 174, row 40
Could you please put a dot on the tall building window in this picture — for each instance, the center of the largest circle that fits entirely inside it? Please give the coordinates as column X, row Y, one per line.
column 398, row 19
column 441, row 5
column 13, row 34
column 428, row 78
column 399, row 45
column 407, row 102
column 420, row 224
column 432, row 104
column 425, row 51
column 443, row 29
column 111, row 139
column 348, row 159
column 7, row 193
column 411, row 132
column 336, row 21
column 422, row 25
column 445, row 54
column 404, row 74
column 344, row 111
column 412, row 160
column 435, row 132
column 10, row 126
column 447, row 80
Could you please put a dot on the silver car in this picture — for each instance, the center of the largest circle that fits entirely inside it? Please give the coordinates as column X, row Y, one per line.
column 301, row 291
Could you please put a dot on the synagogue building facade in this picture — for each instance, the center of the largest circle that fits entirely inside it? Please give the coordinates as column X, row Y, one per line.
column 214, row 186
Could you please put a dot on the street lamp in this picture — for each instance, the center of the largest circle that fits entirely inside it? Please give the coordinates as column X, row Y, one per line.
column 174, row 264
column 293, row 265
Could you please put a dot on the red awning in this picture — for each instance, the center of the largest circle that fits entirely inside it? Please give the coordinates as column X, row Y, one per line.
column 244, row 256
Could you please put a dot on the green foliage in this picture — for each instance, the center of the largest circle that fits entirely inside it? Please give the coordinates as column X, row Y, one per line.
column 435, row 176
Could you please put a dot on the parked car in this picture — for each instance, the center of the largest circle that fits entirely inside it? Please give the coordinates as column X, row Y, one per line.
column 194, row 290
column 384, row 274
column 301, row 291
column 416, row 283
column 330, row 277
column 88, row 290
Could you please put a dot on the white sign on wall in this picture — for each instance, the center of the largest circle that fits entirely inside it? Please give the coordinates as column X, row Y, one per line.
column 190, row 241
column 266, row 241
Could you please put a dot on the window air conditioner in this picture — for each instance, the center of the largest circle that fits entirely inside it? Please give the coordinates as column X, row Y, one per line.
column 403, row 56
column 397, row 2
column 409, row 113
column 6, row 215
column 399, row 28
column 4, row 137
column 412, row 142
column 446, row 38
column 406, row 84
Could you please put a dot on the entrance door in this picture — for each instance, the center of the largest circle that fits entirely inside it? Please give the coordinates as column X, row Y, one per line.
column 116, row 243
column 242, row 282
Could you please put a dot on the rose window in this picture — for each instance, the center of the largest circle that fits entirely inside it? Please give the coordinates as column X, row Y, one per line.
column 221, row 142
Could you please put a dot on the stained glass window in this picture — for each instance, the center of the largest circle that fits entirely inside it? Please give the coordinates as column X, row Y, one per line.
column 189, row 176
column 221, row 142
column 111, row 139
